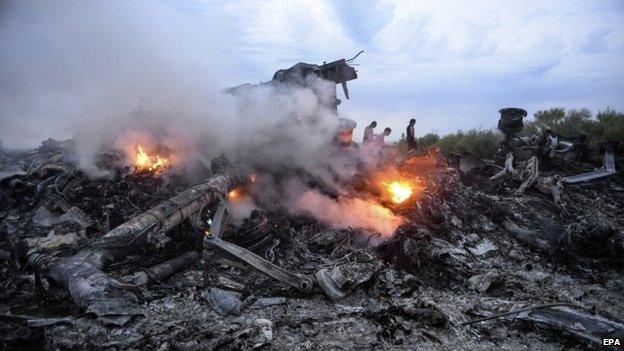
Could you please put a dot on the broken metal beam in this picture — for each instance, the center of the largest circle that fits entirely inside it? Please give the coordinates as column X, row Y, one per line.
column 82, row 274
column 165, row 270
column 301, row 282
column 508, row 170
column 608, row 169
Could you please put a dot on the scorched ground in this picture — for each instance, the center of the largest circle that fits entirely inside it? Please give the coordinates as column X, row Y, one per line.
column 458, row 253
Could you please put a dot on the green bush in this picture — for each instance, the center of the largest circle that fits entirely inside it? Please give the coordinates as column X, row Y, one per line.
column 427, row 140
column 607, row 126
column 483, row 143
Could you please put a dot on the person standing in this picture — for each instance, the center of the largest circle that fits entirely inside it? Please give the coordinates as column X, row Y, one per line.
column 411, row 138
column 379, row 138
column 369, row 133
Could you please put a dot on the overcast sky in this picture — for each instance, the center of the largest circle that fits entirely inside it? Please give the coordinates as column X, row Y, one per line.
column 450, row 64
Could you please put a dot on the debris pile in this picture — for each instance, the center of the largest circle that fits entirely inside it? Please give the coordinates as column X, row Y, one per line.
column 480, row 259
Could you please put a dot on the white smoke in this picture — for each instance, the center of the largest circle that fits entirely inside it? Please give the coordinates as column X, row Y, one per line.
column 93, row 62
column 74, row 66
column 345, row 212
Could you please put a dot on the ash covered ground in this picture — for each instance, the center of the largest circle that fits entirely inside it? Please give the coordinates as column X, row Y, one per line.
column 467, row 249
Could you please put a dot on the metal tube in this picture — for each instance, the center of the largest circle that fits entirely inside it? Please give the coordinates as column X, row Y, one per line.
column 76, row 273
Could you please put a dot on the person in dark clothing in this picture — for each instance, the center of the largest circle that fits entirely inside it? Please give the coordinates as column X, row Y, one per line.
column 411, row 138
column 369, row 133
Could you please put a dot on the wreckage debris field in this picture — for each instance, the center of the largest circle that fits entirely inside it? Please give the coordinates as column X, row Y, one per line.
column 145, row 259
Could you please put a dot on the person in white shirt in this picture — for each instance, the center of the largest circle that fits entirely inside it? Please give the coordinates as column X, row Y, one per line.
column 369, row 133
column 379, row 138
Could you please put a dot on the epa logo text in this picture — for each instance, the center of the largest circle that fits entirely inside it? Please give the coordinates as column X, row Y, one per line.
column 611, row 342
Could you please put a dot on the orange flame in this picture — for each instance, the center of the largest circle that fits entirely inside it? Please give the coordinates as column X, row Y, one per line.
column 144, row 161
column 234, row 194
column 399, row 190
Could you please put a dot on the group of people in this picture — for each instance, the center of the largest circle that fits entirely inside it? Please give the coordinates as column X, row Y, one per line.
column 370, row 138
column 373, row 144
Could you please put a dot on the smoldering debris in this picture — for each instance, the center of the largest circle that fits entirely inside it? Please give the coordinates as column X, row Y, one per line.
column 461, row 254
column 410, row 251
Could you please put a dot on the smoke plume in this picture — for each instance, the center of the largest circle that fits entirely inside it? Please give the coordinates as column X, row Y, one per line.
column 111, row 75
column 349, row 212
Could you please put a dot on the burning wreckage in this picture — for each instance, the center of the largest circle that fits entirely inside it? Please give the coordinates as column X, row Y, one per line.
column 412, row 251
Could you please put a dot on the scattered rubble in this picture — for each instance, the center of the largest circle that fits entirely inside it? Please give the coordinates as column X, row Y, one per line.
column 512, row 253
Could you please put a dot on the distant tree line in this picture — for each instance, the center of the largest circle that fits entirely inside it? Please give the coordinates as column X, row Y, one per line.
column 607, row 125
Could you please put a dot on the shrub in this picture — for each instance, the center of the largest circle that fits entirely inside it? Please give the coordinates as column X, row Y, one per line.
column 427, row 140
column 482, row 143
column 607, row 126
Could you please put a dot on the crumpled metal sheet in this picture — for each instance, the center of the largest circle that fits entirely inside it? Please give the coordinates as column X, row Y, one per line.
column 590, row 327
